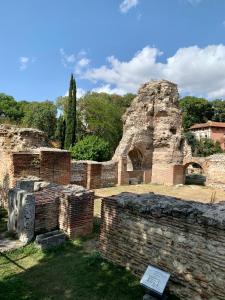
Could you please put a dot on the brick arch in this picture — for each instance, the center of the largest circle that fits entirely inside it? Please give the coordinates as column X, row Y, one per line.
column 196, row 160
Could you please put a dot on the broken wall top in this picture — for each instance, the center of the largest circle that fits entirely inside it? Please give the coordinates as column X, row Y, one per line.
column 13, row 138
column 153, row 125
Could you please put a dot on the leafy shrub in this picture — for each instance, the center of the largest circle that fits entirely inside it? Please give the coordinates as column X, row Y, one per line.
column 203, row 147
column 206, row 147
column 91, row 148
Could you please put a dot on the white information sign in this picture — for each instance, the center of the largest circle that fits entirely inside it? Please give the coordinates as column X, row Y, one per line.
column 155, row 279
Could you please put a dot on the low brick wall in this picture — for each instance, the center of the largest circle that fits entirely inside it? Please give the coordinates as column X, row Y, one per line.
column 79, row 172
column 94, row 175
column 109, row 175
column 184, row 238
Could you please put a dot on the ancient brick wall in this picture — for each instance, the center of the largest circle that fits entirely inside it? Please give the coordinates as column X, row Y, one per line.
column 79, row 172
column 109, row 174
column 94, row 175
column 183, row 238
column 36, row 206
column 55, row 166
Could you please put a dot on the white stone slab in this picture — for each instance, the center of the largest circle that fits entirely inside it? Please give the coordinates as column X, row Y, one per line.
column 155, row 279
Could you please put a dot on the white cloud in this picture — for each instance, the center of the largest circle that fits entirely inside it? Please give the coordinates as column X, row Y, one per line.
column 67, row 59
column 23, row 60
column 126, row 5
column 108, row 89
column 197, row 71
column 80, row 93
column 78, row 62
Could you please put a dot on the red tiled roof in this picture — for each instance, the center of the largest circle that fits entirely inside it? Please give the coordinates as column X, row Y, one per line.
column 208, row 124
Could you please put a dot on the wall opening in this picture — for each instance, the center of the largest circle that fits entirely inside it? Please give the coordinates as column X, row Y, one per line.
column 194, row 174
column 134, row 160
column 135, row 166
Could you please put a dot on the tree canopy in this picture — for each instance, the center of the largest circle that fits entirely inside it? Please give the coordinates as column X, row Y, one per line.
column 195, row 110
column 91, row 148
column 40, row 115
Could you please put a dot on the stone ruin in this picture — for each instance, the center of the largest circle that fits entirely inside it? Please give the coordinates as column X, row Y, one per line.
column 152, row 128
column 152, row 143
column 26, row 152
column 35, row 186
column 152, row 149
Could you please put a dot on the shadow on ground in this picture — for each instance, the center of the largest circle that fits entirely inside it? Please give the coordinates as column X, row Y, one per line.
column 67, row 272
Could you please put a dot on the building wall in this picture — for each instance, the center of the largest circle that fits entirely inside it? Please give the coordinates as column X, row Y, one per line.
column 183, row 238
column 202, row 133
column 214, row 133
column 218, row 134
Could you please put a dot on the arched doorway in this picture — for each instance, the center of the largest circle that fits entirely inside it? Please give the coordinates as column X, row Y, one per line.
column 135, row 166
column 134, row 160
column 194, row 174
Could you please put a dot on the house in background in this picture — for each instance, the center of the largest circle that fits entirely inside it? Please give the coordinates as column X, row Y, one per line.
column 211, row 130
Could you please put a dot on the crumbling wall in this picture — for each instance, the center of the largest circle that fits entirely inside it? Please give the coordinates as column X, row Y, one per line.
column 152, row 138
column 215, row 171
column 25, row 152
column 183, row 238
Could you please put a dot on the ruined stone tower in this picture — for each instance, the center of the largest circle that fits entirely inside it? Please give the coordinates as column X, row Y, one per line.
column 152, row 137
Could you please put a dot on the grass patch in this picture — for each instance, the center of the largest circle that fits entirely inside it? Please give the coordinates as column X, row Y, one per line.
column 66, row 272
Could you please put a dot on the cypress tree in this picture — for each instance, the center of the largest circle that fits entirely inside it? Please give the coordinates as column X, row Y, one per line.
column 60, row 131
column 70, row 135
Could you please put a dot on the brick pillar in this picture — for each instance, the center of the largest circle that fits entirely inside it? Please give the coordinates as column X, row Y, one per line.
column 123, row 177
column 76, row 214
column 147, row 176
column 178, row 174
column 94, row 172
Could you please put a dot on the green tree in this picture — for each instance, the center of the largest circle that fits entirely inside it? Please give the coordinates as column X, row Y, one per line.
column 99, row 116
column 91, row 148
column 40, row 115
column 206, row 147
column 191, row 140
column 219, row 110
column 60, row 131
column 62, row 104
column 10, row 108
column 71, row 115
column 195, row 110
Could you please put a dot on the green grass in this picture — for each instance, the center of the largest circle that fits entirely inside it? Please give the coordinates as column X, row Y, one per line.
column 67, row 272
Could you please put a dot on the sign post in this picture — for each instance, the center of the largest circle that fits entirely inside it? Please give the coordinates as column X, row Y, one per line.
column 155, row 281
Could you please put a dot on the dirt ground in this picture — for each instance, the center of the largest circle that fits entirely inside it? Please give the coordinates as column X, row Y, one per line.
column 187, row 192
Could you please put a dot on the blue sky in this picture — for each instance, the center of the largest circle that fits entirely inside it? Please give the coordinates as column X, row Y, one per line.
column 111, row 45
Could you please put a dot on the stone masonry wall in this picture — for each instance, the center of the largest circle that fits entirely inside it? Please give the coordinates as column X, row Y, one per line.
column 183, row 238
